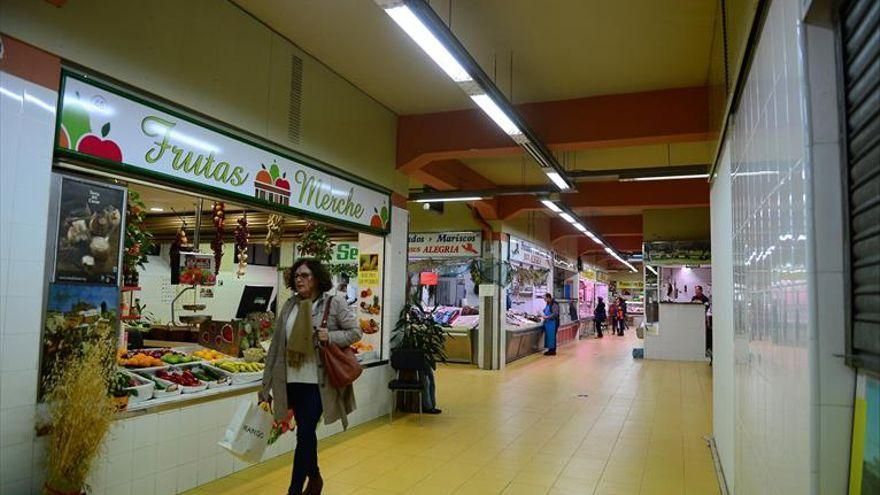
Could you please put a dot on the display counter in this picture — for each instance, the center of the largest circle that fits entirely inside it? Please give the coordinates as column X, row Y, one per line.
column 524, row 340
column 680, row 333
column 461, row 344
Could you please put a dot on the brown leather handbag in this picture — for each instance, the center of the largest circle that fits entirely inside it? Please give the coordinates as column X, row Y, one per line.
column 340, row 363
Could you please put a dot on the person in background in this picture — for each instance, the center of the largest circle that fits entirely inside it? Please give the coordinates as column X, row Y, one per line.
column 347, row 288
column 621, row 315
column 599, row 317
column 699, row 296
column 294, row 376
column 612, row 315
column 551, row 324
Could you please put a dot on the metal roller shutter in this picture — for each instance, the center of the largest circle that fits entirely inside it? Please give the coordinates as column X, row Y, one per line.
column 859, row 28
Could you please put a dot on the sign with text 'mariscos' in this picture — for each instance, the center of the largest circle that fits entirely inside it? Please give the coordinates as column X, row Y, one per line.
column 108, row 125
column 445, row 244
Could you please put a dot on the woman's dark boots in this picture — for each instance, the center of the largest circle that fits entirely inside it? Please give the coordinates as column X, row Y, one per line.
column 316, row 484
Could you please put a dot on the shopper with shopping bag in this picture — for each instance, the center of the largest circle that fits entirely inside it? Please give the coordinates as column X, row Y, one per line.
column 248, row 433
column 309, row 366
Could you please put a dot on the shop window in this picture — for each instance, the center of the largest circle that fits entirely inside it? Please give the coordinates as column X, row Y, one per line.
column 859, row 22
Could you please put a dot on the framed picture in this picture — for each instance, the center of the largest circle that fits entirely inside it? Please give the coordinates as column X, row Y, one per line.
column 90, row 226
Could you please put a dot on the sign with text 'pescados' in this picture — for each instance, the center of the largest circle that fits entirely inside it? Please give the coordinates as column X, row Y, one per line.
column 445, row 244
column 105, row 124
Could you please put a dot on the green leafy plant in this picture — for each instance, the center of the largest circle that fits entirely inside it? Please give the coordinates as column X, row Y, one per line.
column 416, row 329
column 138, row 242
column 349, row 269
column 315, row 242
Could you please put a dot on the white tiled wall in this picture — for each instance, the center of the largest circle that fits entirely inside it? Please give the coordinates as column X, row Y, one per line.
column 27, row 121
column 770, row 267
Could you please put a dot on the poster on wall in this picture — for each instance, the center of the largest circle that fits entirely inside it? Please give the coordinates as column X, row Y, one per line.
column 369, row 306
column 90, row 224
column 76, row 314
column 865, row 457
column 197, row 269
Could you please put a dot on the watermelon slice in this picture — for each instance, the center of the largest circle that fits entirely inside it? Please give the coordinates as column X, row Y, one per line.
column 228, row 332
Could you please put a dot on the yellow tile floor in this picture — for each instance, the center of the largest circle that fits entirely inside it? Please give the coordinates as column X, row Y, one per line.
column 589, row 421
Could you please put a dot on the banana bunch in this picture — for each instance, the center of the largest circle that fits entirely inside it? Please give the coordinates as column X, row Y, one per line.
column 240, row 367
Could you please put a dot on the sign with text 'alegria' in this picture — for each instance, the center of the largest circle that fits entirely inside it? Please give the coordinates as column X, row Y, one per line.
column 106, row 124
column 445, row 244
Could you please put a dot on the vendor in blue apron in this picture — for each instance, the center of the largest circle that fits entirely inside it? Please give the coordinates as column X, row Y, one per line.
column 551, row 324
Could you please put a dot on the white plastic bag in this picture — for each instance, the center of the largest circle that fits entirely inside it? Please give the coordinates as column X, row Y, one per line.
column 247, row 435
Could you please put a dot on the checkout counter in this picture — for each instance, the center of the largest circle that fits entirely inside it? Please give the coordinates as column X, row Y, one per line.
column 679, row 334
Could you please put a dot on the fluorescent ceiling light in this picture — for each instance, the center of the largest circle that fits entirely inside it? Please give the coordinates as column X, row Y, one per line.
column 496, row 114
column 448, row 200
column 580, row 227
column 551, row 205
column 651, row 269
column 558, row 180
column 666, row 177
column 157, row 209
column 610, row 251
column 568, row 218
column 420, row 33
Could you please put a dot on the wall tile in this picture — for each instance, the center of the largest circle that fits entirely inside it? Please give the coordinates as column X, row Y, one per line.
column 15, row 464
column 144, row 430
column 166, row 482
column 188, row 449
column 168, row 454
column 207, row 469
column 16, row 425
column 119, row 468
column 146, row 460
column 25, row 318
column 144, row 486
column 18, row 388
column 187, row 476
column 20, row 352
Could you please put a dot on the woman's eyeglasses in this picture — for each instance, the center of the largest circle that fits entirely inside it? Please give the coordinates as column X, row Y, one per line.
column 302, row 276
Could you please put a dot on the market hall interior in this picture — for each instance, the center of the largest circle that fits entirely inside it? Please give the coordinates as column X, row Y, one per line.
column 609, row 231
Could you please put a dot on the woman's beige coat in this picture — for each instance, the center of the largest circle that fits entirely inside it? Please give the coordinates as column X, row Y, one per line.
column 344, row 331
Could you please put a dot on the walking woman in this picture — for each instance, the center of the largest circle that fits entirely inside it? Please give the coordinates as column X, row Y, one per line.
column 295, row 377
column 551, row 324
column 599, row 317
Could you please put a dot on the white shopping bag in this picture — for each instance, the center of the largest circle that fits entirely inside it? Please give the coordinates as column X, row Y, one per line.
column 248, row 433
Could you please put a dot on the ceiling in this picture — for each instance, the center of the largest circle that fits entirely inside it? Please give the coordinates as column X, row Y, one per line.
column 560, row 49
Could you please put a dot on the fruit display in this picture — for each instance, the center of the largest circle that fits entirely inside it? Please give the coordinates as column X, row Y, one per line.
column 240, row 366
column 212, row 377
column 184, row 378
column 371, row 308
column 368, row 326
column 366, row 293
column 219, row 214
column 254, row 355
column 175, row 358
column 137, row 359
column 209, row 354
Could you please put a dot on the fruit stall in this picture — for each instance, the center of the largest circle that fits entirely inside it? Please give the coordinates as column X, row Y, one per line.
column 179, row 246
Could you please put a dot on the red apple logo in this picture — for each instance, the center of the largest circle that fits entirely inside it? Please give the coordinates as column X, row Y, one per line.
column 282, row 182
column 376, row 220
column 91, row 144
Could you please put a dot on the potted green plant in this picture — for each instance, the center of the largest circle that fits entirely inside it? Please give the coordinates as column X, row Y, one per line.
column 417, row 329
column 80, row 411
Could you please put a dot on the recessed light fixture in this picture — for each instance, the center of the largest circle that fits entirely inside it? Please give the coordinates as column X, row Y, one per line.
column 568, row 218
column 157, row 209
column 551, row 205
column 558, row 180
column 419, row 21
column 666, row 177
column 449, row 200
